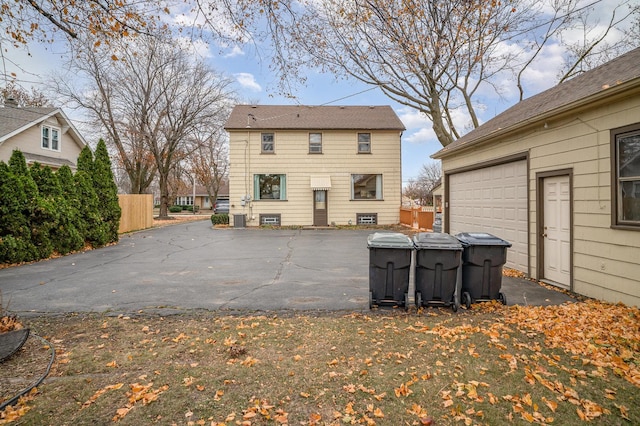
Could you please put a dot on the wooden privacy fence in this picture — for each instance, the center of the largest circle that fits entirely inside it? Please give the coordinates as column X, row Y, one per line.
column 417, row 217
column 137, row 212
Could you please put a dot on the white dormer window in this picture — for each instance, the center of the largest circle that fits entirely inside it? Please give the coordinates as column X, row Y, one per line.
column 50, row 138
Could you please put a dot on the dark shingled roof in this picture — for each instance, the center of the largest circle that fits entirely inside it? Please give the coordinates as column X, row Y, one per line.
column 298, row 117
column 12, row 119
column 598, row 82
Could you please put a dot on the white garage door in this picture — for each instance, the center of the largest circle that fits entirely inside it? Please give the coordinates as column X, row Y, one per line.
column 493, row 200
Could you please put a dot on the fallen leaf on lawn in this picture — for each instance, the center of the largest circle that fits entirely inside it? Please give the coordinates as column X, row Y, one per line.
column 349, row 409
column 380, row 396
column 624, row 411
column 551, row 404
column 305, row 395
column 314, row 418
column 100, row 392
column 112, row 364
column 403, row 390
column 249, row 361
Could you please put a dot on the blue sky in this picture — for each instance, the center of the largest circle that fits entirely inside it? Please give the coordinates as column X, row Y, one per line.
column 255, row 83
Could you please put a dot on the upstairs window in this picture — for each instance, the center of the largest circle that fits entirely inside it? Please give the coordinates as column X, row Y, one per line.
column 268, row 143
column 364, row 143
column 626, row 166
column 315, row 143
column 50, row 138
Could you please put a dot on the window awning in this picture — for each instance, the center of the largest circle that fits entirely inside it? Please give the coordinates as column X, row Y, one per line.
column 321, row 183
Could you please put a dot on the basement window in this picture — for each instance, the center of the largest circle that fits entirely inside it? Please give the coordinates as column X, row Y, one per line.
column 270, row 219
column 367, row 218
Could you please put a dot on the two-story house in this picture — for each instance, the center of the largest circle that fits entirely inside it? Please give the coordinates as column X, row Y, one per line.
column 314, row 165
column 44, row 135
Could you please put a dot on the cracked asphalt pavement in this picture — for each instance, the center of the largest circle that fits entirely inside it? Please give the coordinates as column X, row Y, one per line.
column 193, row 266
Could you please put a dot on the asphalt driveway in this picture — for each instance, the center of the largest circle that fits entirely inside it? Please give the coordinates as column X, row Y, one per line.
column 193, row 266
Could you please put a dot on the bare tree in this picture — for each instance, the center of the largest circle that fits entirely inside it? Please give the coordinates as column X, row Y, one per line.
column 429, row 178
column 210, row 161
column 434, row 57
column 152, row 101
column 117, row 100
column 415, row 192
column 24, row 98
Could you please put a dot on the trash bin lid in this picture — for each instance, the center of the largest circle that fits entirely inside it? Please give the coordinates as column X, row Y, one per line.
column 436, row 240
column 481, row 239
column 389, row 240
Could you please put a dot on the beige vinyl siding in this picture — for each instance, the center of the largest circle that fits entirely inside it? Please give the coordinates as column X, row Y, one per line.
column 605, row 260
column 339, row 159
column 29, row 141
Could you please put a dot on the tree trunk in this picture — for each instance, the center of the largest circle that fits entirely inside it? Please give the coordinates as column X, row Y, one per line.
column 164, row 197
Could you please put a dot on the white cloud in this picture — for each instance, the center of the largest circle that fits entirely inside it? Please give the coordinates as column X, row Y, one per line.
column 235, row 51
column 248, row 81
column 197, row 47
column 412, row 118
column 421, row 136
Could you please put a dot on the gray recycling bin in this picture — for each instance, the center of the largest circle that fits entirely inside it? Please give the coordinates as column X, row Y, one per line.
column 438, row 270
column 482, row 259
column 389, row 268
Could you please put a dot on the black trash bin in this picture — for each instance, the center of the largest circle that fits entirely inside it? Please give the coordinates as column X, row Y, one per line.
column 389, row 269
column 438, row 273
column 482, row 259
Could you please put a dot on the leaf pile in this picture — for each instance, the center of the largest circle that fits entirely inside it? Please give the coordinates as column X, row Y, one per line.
column 9, row 323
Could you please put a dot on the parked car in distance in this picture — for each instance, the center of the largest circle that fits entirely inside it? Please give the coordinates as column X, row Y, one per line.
column 222, row 206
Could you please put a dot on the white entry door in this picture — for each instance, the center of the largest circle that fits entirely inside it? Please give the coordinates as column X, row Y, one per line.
column 556, row 232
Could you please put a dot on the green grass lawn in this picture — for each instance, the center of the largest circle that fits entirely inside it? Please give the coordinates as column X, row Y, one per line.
column 489, row 365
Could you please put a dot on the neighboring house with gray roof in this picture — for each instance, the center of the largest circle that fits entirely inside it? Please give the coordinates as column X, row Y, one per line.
column 558, row 176
column 44, row 135
column 314, row 165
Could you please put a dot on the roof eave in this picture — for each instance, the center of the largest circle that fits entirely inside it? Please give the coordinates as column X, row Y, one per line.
column 581, row 103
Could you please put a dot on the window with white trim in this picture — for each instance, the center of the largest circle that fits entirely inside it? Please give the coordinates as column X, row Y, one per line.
column 184, row 200
column 366, row 187
column 50, row 138
column 364, row 143
column 315, row 143
column 269, row 187
column 626, row 162
column 268, row 143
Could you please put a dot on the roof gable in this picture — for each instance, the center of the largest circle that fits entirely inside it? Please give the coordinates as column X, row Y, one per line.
column 15, row 120
column 299, row 117
column 599, row 82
